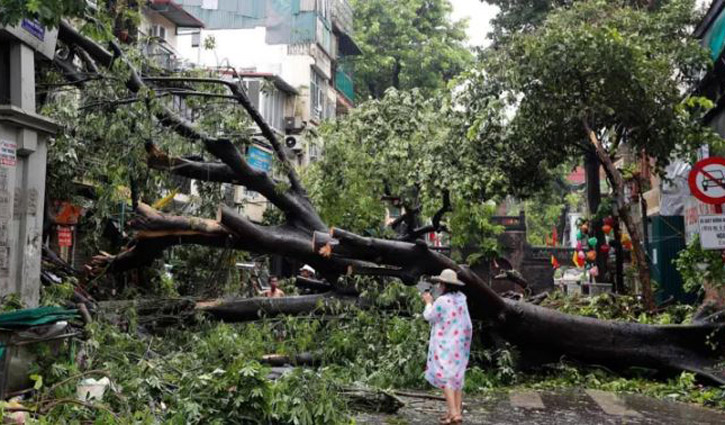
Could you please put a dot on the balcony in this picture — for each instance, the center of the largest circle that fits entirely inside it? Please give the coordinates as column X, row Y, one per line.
column 344, row 84
column 342, row 16
column 162, row 53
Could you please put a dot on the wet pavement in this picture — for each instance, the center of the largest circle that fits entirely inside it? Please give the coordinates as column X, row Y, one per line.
column 572, row 407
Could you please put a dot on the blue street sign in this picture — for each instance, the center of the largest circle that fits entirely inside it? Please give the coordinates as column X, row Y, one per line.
column 34, row 28
column 259, row 158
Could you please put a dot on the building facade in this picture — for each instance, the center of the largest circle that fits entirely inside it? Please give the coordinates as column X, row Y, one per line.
column 293, row 57
column 162, row 21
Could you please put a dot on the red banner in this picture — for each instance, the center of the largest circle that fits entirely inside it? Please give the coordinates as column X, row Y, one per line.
column 65, row 236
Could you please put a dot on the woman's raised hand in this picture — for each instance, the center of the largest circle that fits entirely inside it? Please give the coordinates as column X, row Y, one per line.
column 427, row 297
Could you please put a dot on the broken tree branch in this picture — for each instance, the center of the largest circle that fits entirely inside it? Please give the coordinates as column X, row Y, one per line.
column 269, row 134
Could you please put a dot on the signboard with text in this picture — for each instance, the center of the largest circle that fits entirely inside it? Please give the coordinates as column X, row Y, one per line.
column 259, row 158
column 694, row 209
column 65, row 236
column 34, row 27
column 8, row 153
column 712, row 231
column 707, row 183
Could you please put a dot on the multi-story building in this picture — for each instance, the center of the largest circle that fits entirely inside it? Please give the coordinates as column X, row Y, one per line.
column 293, row 58
column 161, row 23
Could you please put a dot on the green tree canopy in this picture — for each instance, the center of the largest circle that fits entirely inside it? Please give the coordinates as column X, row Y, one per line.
column 521, row 15
column 406, row 145
column 407, row 44
column 599, row 77
column 403, row 142
column 621, row 71
column 48, row 12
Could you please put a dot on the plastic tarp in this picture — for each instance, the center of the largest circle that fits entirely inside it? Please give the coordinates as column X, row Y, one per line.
column 286, row 21
column 715, row 37
column 36, row 316
column 675, row 190
column 279, row 20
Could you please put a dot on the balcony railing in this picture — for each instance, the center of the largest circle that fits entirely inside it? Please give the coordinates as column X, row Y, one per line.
column 344, row 84
column 162, row 53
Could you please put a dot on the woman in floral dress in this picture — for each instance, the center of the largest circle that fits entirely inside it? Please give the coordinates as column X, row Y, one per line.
column 450, row 342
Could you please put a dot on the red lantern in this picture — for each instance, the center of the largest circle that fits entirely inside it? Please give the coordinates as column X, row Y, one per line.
column 604, row 248
column 592, row 255
column 626, row 242
column 607, row 229
column 609, row 221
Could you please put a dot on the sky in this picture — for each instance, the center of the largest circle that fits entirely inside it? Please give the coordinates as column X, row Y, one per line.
column 479, row 15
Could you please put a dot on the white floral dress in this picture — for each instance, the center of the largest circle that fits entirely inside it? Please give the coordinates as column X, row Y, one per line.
column 450, row 341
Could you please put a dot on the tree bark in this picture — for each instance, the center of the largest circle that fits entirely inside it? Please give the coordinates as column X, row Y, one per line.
column 625, row 213
column 253, row 308
column 594, row 199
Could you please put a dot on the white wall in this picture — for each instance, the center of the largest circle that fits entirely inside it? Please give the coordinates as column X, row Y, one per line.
column 151, row 17
column 246, row 48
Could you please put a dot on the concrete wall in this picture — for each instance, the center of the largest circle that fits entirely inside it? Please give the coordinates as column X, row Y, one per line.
column 23, row 152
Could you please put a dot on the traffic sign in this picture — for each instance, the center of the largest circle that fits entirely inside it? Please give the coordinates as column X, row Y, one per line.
column 712, row 231
column 707, row 180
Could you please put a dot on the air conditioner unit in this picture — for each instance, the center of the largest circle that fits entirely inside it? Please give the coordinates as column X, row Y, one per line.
column 294, row 143
column 293, row 123
column 158, row 31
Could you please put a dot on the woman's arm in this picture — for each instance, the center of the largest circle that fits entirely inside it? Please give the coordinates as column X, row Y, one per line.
column 432, row 311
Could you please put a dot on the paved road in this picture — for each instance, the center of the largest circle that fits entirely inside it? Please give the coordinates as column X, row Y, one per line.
column 582, row 407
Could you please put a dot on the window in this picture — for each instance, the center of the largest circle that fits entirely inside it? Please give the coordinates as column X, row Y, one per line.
column 394, row 212
column 273, row 101
column 314, row 154
column 158, row 31
column 323, row 8
column 250, row 195
column 4, row 73
column 210, row 4
column 318, row 87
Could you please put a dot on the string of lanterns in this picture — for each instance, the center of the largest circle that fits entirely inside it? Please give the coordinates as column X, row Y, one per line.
column 586, row 253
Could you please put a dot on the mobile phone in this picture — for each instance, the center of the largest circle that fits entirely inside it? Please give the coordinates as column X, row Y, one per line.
column 424, row 286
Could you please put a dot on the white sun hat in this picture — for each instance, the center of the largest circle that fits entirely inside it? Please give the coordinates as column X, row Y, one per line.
column 449, row 277
column 306, row 267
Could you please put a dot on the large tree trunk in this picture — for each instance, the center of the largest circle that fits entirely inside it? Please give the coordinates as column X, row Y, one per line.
column 304, row 236
column 243, row 310
column 624, row 211
column 594, row 199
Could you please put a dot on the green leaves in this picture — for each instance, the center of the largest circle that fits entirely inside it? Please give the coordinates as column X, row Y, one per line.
column 412, row 144
column 473, row 232
column 37, row 381
column 621, row 69
column 699, row 267
column 48, row 12
column 407, row 44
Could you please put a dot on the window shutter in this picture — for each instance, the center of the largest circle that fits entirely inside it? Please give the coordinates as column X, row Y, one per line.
column 253, row 89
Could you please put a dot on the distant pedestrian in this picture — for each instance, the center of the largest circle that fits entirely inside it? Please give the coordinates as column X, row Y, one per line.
column 273, row 291
column 307, row 272
column 450, row 342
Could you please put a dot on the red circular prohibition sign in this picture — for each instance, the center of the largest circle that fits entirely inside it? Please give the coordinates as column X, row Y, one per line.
column 699, row 168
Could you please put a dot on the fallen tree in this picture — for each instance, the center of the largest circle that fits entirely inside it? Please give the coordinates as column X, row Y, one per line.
column 254, row 308
column 304, row 236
